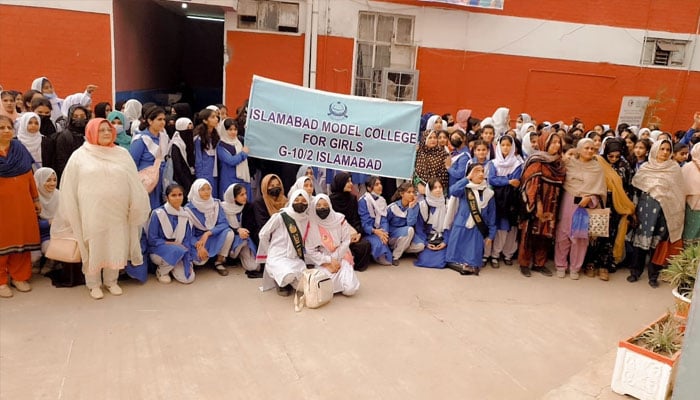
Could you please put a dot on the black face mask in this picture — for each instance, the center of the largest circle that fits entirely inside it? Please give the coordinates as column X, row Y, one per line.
column 323, row 213
column 47, row 127
column 78, row 125
column 274, row 192
column 456, row 143
column 300, row 207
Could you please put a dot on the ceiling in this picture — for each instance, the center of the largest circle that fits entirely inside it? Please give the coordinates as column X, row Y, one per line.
column 197, row 9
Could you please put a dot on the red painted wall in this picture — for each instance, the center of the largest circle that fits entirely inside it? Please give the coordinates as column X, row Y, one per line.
column 334, row 64
column 551, row 89
column 662, row 15
column 72, row 49
column 272, row 56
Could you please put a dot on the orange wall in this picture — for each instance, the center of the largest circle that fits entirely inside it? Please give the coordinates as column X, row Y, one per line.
column 334, row 66
column 72, row 49
column 272, row 56
column 662, row 15
column 551, row 89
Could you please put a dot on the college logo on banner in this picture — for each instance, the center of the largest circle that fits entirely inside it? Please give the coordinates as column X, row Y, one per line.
column 348, row 133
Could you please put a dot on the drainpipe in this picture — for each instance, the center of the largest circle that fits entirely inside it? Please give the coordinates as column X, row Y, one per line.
column 310, row 44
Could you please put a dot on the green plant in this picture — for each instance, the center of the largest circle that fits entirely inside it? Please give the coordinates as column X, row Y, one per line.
column 682, row 270
column 664, row 337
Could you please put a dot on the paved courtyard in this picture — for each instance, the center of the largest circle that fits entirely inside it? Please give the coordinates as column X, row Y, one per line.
column 409, row 333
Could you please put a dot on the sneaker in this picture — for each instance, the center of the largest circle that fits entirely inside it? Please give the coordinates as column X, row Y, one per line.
column 164, row 278
column 561, row 273
column 5, row 291
column 574, row 275
column 115, row 290
column 96, row 293
column 542, row 270
column 494, row 263
column 22, row 286
column 603, row 274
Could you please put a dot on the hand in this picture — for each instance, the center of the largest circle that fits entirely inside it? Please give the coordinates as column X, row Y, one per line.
column 585, row 201
column 243, row 233
column 37, row 207
column 90, row 89
column 383, row 236
column 202, row 254
column 514, row 182
column 245, row 149
column 448, row 162
column 487, row 242
column 413, row 203
column 355, row 237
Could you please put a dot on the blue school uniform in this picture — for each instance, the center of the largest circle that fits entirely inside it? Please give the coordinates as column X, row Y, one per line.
column 158, row 242
column 237, row 241
column 399, row 223
column 144, row 159
column 379, row 249
column 458, row 168
column 218, row 233
column 228, row 161
column 466, row 245
column 429, row 258
column 496, row 181
column 204, row 165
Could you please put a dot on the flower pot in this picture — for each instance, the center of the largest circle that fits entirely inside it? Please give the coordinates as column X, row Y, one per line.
column 682, row 304
column 642, row 373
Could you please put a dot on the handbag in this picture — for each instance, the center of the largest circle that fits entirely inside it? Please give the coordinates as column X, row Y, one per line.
column 598, row 222
column 317, row 289
column 149, row 175
column 63, row 249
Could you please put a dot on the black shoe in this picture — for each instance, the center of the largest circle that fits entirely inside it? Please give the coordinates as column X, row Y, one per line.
column 395, row 263
column 508, row 262
column 285, row 291
column 221, row 269
column 254, row 274
column 542, row 270
column 494, row 263
column 632, row 278
column 654, row 283
column 525, row 271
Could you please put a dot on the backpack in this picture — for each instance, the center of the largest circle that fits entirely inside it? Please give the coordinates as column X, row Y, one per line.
column 317, row 289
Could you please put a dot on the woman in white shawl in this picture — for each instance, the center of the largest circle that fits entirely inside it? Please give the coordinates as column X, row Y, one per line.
column 281, row 245
column 501, row 121
column 232, row 156
column 46, row 181
column 104, row 206
column 660, row 208
column 691, row 175
column 240, row 218
column 328, row 245
column 132, row 111
column 28, row 134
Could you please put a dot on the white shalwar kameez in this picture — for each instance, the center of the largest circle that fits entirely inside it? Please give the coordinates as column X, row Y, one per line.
column 276, row 249
column 332, row 232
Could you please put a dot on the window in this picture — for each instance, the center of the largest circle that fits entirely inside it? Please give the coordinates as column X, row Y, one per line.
column 385, row 56
column 664, row 52
column 271, row 16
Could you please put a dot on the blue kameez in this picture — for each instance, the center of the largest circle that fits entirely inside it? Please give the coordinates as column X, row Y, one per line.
column 379, row 249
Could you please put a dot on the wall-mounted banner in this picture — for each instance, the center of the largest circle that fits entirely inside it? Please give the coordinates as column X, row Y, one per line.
column 348, row 133
column 497, row 4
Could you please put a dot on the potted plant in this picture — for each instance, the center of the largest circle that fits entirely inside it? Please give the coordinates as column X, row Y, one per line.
column 645, row 360
column 681, row 273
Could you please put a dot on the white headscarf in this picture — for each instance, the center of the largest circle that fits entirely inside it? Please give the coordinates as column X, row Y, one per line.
column 527, row 144
column 500, row 120
column 654, row 135
column 643, row 131
column 210, row 208
column 506, row 164
column 299, row 184
column 523, row 130
column 301, row 218
column 333, row 224
column 691, row 175
column 32, row 141
column 437, row 218
column 430, row 125
column 231, row 208
column 132, row 111
column 81, row 99
column 49, row 201
column 242, row 170
column 376, row 207
column 181, row 124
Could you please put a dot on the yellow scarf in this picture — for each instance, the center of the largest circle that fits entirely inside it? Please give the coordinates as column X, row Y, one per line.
column 622, row 204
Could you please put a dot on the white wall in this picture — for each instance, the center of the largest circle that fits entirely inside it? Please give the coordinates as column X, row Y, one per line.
column 492, row 33
column 96, row 6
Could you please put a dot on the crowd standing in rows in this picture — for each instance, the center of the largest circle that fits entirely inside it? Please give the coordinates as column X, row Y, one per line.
column 144, row 188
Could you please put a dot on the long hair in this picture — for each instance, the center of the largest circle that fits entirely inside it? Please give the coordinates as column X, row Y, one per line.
column 401, row 190
column 209, row 140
